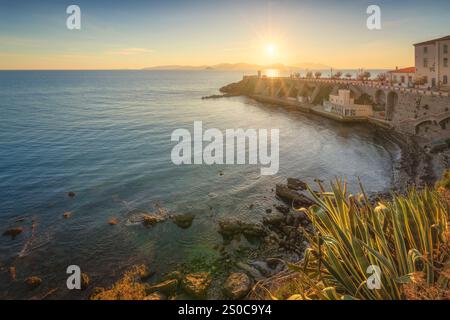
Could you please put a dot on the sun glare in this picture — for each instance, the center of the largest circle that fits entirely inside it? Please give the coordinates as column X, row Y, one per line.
column 270, row 49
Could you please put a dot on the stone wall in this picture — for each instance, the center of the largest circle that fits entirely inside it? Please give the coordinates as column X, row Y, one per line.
column 412, row 112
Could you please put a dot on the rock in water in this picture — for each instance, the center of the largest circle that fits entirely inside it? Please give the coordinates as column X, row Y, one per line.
column 296, row 184
column 237, row 285
column 184, row 221
column 33, row 282
column 113, row 221
column 293, row 197
column 167, row 287
column 12, row 273
column 229, row 227
column 67, row 215
column 71, row 194
column 84, row 281
column 149, row 220
column 274, row 219
column 156, row 296
column 13, row 232
column 197, row 284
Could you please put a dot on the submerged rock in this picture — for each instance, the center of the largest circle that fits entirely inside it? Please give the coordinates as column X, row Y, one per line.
column 113, row 221
column 67, row 214
column 33, row 282
column 232, row 227
column 167, row 287
column 296, row 184
column 12, row 273
column 229, row 227
column 237, row 285
column 174, row 275
column 71, row 194
column 183, row 221
column 13, row 232
column 197, row 284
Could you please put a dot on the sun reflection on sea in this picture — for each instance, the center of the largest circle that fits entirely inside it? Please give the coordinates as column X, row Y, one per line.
column 272, row 73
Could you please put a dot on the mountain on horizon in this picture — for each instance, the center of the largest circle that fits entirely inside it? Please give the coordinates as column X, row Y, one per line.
column 241, row 66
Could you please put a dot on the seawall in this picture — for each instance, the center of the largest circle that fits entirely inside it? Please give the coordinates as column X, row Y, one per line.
column 412, row 112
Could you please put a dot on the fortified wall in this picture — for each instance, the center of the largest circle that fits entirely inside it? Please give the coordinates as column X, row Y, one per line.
column 410, row 111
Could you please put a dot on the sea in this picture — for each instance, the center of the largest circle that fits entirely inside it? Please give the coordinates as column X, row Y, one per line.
column 106, row 136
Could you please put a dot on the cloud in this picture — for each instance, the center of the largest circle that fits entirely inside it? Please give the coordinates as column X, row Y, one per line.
column 131, row 51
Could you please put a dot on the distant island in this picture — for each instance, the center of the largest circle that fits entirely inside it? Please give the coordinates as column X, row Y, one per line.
column 241, row 66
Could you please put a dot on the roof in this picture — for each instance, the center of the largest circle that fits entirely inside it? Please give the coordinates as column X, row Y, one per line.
column 432, row 41
column 404, row 70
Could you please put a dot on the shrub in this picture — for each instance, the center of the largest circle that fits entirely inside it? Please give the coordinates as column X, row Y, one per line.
column 407, row 238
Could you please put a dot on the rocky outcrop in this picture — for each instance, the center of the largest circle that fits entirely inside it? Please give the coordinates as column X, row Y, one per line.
column 183, row 221
column 292, row 197
column 237, row 285
column 296, row 184
column 230, row 228
column 149, row 220
column 197, row 284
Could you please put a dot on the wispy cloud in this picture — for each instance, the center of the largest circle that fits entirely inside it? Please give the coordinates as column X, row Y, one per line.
column 131, row 51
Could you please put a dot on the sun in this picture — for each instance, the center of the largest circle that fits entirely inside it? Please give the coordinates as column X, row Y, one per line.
column 271, row 49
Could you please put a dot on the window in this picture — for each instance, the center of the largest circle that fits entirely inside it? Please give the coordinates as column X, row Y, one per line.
column 445, row 80
column 425, row 49
column 403, row 79
column 445, row 48
column 425, row 63
column 410, row 79
column 446, row 62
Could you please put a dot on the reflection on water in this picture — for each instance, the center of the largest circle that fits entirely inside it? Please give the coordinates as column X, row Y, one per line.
column 106, row 136
column 272, row 73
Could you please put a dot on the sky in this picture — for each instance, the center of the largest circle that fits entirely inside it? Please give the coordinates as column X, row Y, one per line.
column 137, row 34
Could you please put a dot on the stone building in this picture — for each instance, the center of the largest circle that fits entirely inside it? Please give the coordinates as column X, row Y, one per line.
column 432, row 63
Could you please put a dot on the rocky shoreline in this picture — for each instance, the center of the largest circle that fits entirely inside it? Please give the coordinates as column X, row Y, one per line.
column 279, row 237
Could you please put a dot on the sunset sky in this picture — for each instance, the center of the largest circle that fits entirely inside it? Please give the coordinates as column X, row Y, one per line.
column 138, row 34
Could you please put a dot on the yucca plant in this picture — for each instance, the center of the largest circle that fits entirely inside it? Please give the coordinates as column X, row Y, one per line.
column 404, row 238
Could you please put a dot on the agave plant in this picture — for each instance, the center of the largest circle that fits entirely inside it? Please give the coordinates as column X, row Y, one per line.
column 401, row 239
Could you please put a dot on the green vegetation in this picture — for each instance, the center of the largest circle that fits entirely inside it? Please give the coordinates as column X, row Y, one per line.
column 408, row 238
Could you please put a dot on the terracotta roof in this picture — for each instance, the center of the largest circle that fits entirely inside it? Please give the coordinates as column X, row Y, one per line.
column 432, row 41
column 404, row 70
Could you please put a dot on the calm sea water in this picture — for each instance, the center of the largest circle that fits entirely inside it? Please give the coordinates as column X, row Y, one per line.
column 106, row 136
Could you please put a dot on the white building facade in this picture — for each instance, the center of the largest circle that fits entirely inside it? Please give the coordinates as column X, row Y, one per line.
column 432, row 63
column 344, row 105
